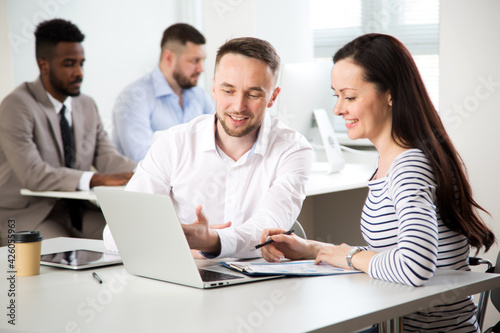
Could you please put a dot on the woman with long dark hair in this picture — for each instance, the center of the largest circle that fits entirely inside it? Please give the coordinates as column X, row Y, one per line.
column 419, row 215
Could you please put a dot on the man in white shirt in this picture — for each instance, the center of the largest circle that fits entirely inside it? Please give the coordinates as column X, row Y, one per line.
column 237, row 172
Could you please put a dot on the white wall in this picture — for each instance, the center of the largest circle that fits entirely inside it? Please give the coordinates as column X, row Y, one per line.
column 121, row 43
column 7, row 76
column 122, row 37
column 470, row 99
column 284, row 23
column 223, row 20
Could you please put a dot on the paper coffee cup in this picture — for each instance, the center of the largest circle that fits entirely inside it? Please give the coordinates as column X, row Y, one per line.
column 28, row 246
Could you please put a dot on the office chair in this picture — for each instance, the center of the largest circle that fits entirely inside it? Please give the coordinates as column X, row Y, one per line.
column 299, row 231
column 483, row 298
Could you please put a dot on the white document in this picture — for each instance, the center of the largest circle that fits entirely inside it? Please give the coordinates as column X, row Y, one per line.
column 300, row 267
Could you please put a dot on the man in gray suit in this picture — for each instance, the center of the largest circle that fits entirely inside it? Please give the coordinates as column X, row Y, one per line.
column 50, row 138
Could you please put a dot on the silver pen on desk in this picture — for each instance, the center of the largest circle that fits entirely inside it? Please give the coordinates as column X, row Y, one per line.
column 98, row 279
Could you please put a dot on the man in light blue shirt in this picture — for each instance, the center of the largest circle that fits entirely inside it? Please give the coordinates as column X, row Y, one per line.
column 165, row 97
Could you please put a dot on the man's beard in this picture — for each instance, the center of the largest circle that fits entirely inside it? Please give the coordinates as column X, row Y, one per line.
column 59, row 86
column 241, row 132
column 183, row 81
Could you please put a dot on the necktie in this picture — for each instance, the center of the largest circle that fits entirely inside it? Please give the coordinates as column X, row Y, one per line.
column 68, row 139
column 69, row 162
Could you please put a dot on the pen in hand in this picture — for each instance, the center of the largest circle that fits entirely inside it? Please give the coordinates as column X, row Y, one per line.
column 269, row 241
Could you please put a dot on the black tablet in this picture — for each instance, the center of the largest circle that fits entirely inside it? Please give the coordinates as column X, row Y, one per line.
column 80, row 259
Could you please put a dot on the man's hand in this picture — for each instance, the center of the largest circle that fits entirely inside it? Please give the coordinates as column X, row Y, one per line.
column 111, row 179
column 201, row 236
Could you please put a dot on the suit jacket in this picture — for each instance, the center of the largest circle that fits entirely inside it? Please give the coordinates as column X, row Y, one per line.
column 32, row 157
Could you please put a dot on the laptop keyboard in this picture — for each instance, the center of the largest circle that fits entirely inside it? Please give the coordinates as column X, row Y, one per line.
column 209, row 276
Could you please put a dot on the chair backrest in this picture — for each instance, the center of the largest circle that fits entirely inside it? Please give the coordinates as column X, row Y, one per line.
column 299, row 231
column 495, row 293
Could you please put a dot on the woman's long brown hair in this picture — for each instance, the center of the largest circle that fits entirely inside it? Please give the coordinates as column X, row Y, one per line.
column 388, row 64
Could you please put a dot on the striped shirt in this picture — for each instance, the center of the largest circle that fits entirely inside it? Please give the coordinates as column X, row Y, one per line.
column 401, row 222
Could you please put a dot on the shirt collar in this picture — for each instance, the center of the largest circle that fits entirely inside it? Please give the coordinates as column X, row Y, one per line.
column 58, row 105
column 160, row 83
column 262, row 143
column 208, row 135
column 162, row 87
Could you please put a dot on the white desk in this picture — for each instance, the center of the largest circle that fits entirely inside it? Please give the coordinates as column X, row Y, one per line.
column 82, row 195
column 67, row 301
column 353, row 176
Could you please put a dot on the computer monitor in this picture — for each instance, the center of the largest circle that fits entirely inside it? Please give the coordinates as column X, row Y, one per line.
column 306, row 88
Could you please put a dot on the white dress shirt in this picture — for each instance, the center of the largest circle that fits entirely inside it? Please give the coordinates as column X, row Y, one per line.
column 265, row 188
column 84, row 183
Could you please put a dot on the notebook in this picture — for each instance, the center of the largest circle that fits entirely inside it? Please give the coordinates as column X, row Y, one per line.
column 152, row 244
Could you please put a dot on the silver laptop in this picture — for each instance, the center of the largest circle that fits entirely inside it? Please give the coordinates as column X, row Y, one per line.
column 152, row 244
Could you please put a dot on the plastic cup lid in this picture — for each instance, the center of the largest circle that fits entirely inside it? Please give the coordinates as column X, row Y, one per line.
column 27, row 236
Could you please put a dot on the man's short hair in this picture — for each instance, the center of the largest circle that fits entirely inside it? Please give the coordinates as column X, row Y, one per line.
column 253, row 48
column 181, row 33
column 49, row 33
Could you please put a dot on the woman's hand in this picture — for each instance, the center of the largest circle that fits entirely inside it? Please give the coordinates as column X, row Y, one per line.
column 287, row 246
column 333, row 255
column 336, row 256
